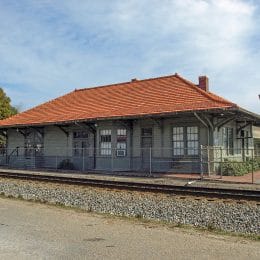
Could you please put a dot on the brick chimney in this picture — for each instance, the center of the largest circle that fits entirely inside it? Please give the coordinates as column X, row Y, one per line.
column 204, row 83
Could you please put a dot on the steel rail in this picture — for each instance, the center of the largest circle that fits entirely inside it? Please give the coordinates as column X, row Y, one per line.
column 223, row 193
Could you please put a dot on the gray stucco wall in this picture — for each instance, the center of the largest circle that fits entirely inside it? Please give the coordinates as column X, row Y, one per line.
column 58, row 146
column 15, row 139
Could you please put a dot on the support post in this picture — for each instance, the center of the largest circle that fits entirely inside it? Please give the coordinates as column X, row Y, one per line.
column 112, row 160
column 201, row 162
column 221, row 162
column 208, row 160
column 252, row 161
column 83, row 159
column 150, row 165
column 56, row 161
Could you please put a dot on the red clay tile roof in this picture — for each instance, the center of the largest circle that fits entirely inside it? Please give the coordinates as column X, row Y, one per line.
column 142, row 97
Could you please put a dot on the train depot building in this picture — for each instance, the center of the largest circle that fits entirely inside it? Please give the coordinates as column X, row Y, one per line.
column 161, row 124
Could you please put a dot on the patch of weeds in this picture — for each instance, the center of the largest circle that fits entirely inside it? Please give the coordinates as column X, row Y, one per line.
column 20, row 197
column 211, row 227
column 179, row 225
column 138, row 216
column 89, row 210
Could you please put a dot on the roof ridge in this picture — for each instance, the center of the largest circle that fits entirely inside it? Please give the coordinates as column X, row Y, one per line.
column 207, row 94
column 126, row 82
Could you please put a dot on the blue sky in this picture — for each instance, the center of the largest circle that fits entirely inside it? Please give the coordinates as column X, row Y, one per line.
column 48, row 48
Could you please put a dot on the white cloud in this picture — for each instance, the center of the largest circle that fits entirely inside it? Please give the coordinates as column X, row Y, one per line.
column 51, row 48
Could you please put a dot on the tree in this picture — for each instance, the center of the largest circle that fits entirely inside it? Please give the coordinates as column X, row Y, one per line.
column 6, row 109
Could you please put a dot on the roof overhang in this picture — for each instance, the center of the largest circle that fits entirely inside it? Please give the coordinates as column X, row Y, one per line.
column 242, row 115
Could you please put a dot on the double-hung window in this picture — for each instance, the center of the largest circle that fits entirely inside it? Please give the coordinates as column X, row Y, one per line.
column 228, row 140
column 192, row 140
column 121, row 142
column 105, row 142
column 185, row 140
column 178, row 140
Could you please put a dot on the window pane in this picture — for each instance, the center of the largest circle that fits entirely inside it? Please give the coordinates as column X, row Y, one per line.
column 192, row 147
column 178, row 148
column 192, row 133
column 121, row 132
column 121, row 145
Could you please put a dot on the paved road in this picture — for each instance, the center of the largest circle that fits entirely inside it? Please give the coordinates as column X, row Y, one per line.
column 35, row 231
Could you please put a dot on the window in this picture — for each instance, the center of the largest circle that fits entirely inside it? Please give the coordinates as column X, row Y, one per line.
column 178, row 140
column 105, row 142
column 185, row 140
column 228, row 140
column 192, row 140
column 121, row 142
column 79, row 143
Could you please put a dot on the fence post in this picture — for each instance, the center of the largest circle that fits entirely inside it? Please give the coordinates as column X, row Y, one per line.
column 112, row 160
column 83, row 159
column 150, row 165
column 201, row 162
column 252, row 166
column 56, row 162
column 221, row 162
column 208, row 159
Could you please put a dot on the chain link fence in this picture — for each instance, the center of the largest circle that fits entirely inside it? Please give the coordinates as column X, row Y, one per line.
column 205, row 162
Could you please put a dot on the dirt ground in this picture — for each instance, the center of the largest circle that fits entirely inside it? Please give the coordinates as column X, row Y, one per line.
column 36, row 231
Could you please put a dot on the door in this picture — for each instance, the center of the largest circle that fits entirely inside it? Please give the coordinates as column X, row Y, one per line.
column 81, row 150
column 146, row 145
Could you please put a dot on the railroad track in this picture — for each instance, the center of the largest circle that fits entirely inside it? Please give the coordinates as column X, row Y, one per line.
column 223, row 193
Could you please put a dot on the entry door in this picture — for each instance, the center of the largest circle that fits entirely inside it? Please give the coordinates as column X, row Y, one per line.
column 146, row 144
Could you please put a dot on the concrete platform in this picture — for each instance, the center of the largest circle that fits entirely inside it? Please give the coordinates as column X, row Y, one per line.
column 169, row 179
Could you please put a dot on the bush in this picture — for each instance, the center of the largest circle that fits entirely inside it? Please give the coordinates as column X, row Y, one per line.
column 66, row 164
column 255, row 162
column 232, row 168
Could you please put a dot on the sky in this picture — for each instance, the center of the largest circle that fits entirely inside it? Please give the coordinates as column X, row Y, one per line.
column 49, row 48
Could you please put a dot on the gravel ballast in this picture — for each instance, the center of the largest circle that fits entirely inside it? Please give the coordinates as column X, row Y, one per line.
column 213, row 214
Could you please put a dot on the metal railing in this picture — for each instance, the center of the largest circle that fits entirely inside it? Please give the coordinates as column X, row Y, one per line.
column 205, row 162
